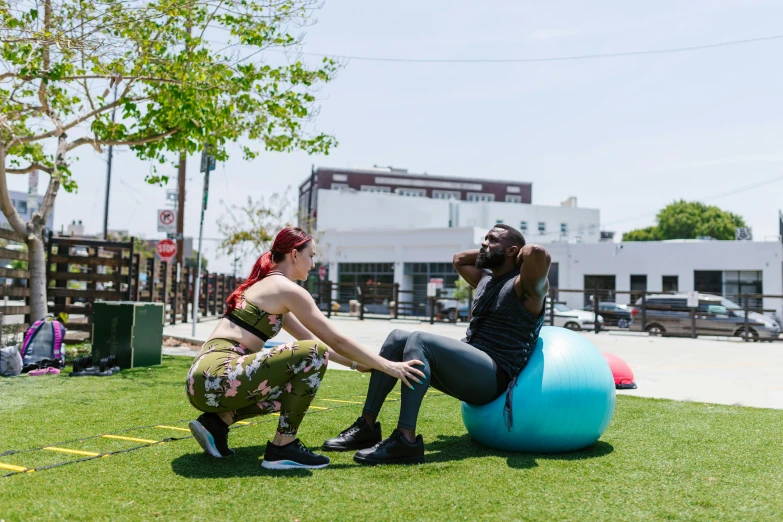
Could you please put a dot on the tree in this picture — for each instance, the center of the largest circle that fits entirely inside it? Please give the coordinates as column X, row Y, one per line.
column 178, row 85
column 250, row 229
column 191, row 261
column 643, row 234
column 689, row 220
column 461, row 290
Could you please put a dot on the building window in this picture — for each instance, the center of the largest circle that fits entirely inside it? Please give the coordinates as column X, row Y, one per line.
column 21, row 206
column 376, row 188
column 670, row 283
column 340, row 186
column 708, row 281
column 604, row 284
column 523, row 226
column 564, row 228
column 446, row 194
column 412, row 192
column 421, row 274
column 339, row 177
column 541, row 227
column 513, row 190
column 513, row 199
column 480, row 196
column 638, row 286
column 738, row 283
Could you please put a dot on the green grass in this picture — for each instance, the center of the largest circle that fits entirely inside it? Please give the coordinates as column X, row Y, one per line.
column 658, row 460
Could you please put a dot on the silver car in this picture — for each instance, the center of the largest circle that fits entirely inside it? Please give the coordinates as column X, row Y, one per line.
column 668, row 314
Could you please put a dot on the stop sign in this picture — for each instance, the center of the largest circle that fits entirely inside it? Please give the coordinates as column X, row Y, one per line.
column 166, row 249
column 322, row 272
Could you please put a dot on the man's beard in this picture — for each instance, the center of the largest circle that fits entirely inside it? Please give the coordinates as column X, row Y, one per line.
column 490, row 258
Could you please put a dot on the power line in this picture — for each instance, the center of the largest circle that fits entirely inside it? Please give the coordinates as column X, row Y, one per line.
column 536, row 60
column 717, row 196
column 648, row 214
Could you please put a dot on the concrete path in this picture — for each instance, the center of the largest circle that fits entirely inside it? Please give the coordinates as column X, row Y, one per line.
column 704, row 370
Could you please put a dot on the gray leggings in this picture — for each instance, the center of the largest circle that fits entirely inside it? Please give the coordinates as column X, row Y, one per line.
column 453, row 367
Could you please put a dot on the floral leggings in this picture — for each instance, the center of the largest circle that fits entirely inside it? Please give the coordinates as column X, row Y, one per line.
column 227, row 377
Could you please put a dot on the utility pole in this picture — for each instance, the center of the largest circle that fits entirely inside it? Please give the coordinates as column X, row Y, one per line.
column 181, row 207
column 108, row 176
column 310, row 195
column 207, row 164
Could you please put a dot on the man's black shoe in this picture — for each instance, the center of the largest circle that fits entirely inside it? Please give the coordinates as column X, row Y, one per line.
column 358, row 436
column 211, row 433
column 293, row 455
column 394, row 450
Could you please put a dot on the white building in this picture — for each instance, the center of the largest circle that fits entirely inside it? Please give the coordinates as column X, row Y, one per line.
column 368, row 232
column 21, row 202
column 411, row 256
column 346, row 210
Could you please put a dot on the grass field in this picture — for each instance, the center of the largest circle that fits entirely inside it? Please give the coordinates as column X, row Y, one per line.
column 658, row 460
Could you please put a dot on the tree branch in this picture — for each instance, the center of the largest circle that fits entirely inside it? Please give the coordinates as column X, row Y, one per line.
column 141, row 141
column 30, row 168
column 42, row 216
column 13, row 217
column 77, row 121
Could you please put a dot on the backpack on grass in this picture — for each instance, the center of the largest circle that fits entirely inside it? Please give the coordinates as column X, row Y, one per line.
column 10, row 361
column 43, row 344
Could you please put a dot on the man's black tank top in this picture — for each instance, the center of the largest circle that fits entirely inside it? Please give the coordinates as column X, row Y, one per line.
column 501, row 326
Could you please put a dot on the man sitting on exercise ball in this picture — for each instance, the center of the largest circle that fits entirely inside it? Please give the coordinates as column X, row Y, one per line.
column 511, row 284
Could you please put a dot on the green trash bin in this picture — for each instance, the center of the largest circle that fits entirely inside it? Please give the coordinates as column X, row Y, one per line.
column 129, row 330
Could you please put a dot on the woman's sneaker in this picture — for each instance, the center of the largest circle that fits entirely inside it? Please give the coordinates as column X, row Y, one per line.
column 358, row 435
column 212, row 435
column 293, row 455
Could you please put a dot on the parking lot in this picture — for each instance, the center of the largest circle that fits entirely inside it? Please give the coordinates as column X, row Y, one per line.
column 717, row 370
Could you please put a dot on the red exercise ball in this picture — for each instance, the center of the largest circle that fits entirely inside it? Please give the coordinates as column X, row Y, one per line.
column 623, row 375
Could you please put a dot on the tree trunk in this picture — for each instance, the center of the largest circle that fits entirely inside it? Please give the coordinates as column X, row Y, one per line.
column 37, row 266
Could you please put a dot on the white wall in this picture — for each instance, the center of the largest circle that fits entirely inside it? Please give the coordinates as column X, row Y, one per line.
column 653, row 259
column 348, row 210
column 658, row 258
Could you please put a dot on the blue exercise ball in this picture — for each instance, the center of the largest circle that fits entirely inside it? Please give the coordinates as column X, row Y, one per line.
column 563, row 399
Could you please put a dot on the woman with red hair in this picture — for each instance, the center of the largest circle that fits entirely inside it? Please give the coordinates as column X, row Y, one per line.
column 234, row 377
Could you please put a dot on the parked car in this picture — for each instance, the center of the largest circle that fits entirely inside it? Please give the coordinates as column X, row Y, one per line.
column 572, row 319
column 614, row 314
column 669, row 315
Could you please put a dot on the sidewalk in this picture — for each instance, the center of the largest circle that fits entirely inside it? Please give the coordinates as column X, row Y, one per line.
column 703, row 370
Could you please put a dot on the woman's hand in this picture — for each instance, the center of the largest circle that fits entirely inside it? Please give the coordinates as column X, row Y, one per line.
column 405, row 371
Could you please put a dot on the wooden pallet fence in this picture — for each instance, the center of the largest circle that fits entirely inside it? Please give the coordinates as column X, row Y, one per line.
column 14, row 282
column 81, row 271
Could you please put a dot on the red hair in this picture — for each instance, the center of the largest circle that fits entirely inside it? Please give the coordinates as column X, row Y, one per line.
column 288, row 239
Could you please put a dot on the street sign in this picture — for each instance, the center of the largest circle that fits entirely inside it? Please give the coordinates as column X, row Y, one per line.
column 693, row 299
column 438, row 282
column 166, row 249
column 432, row 289
column 174, row 235
column 208, row 161
column 322, row 272
column 167, row 220
column 172, row 197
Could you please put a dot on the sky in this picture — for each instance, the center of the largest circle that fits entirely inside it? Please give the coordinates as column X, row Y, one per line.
column 625, row 135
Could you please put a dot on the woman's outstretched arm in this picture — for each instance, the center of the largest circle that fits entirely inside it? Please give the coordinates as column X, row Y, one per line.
column 301, row 304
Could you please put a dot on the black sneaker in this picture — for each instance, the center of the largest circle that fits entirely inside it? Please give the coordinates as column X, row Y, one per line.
column 293, row 455
column 358, row 436
column 394, row 450
column 211, row 433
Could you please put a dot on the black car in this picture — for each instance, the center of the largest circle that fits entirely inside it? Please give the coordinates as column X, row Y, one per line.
column 613, row 314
